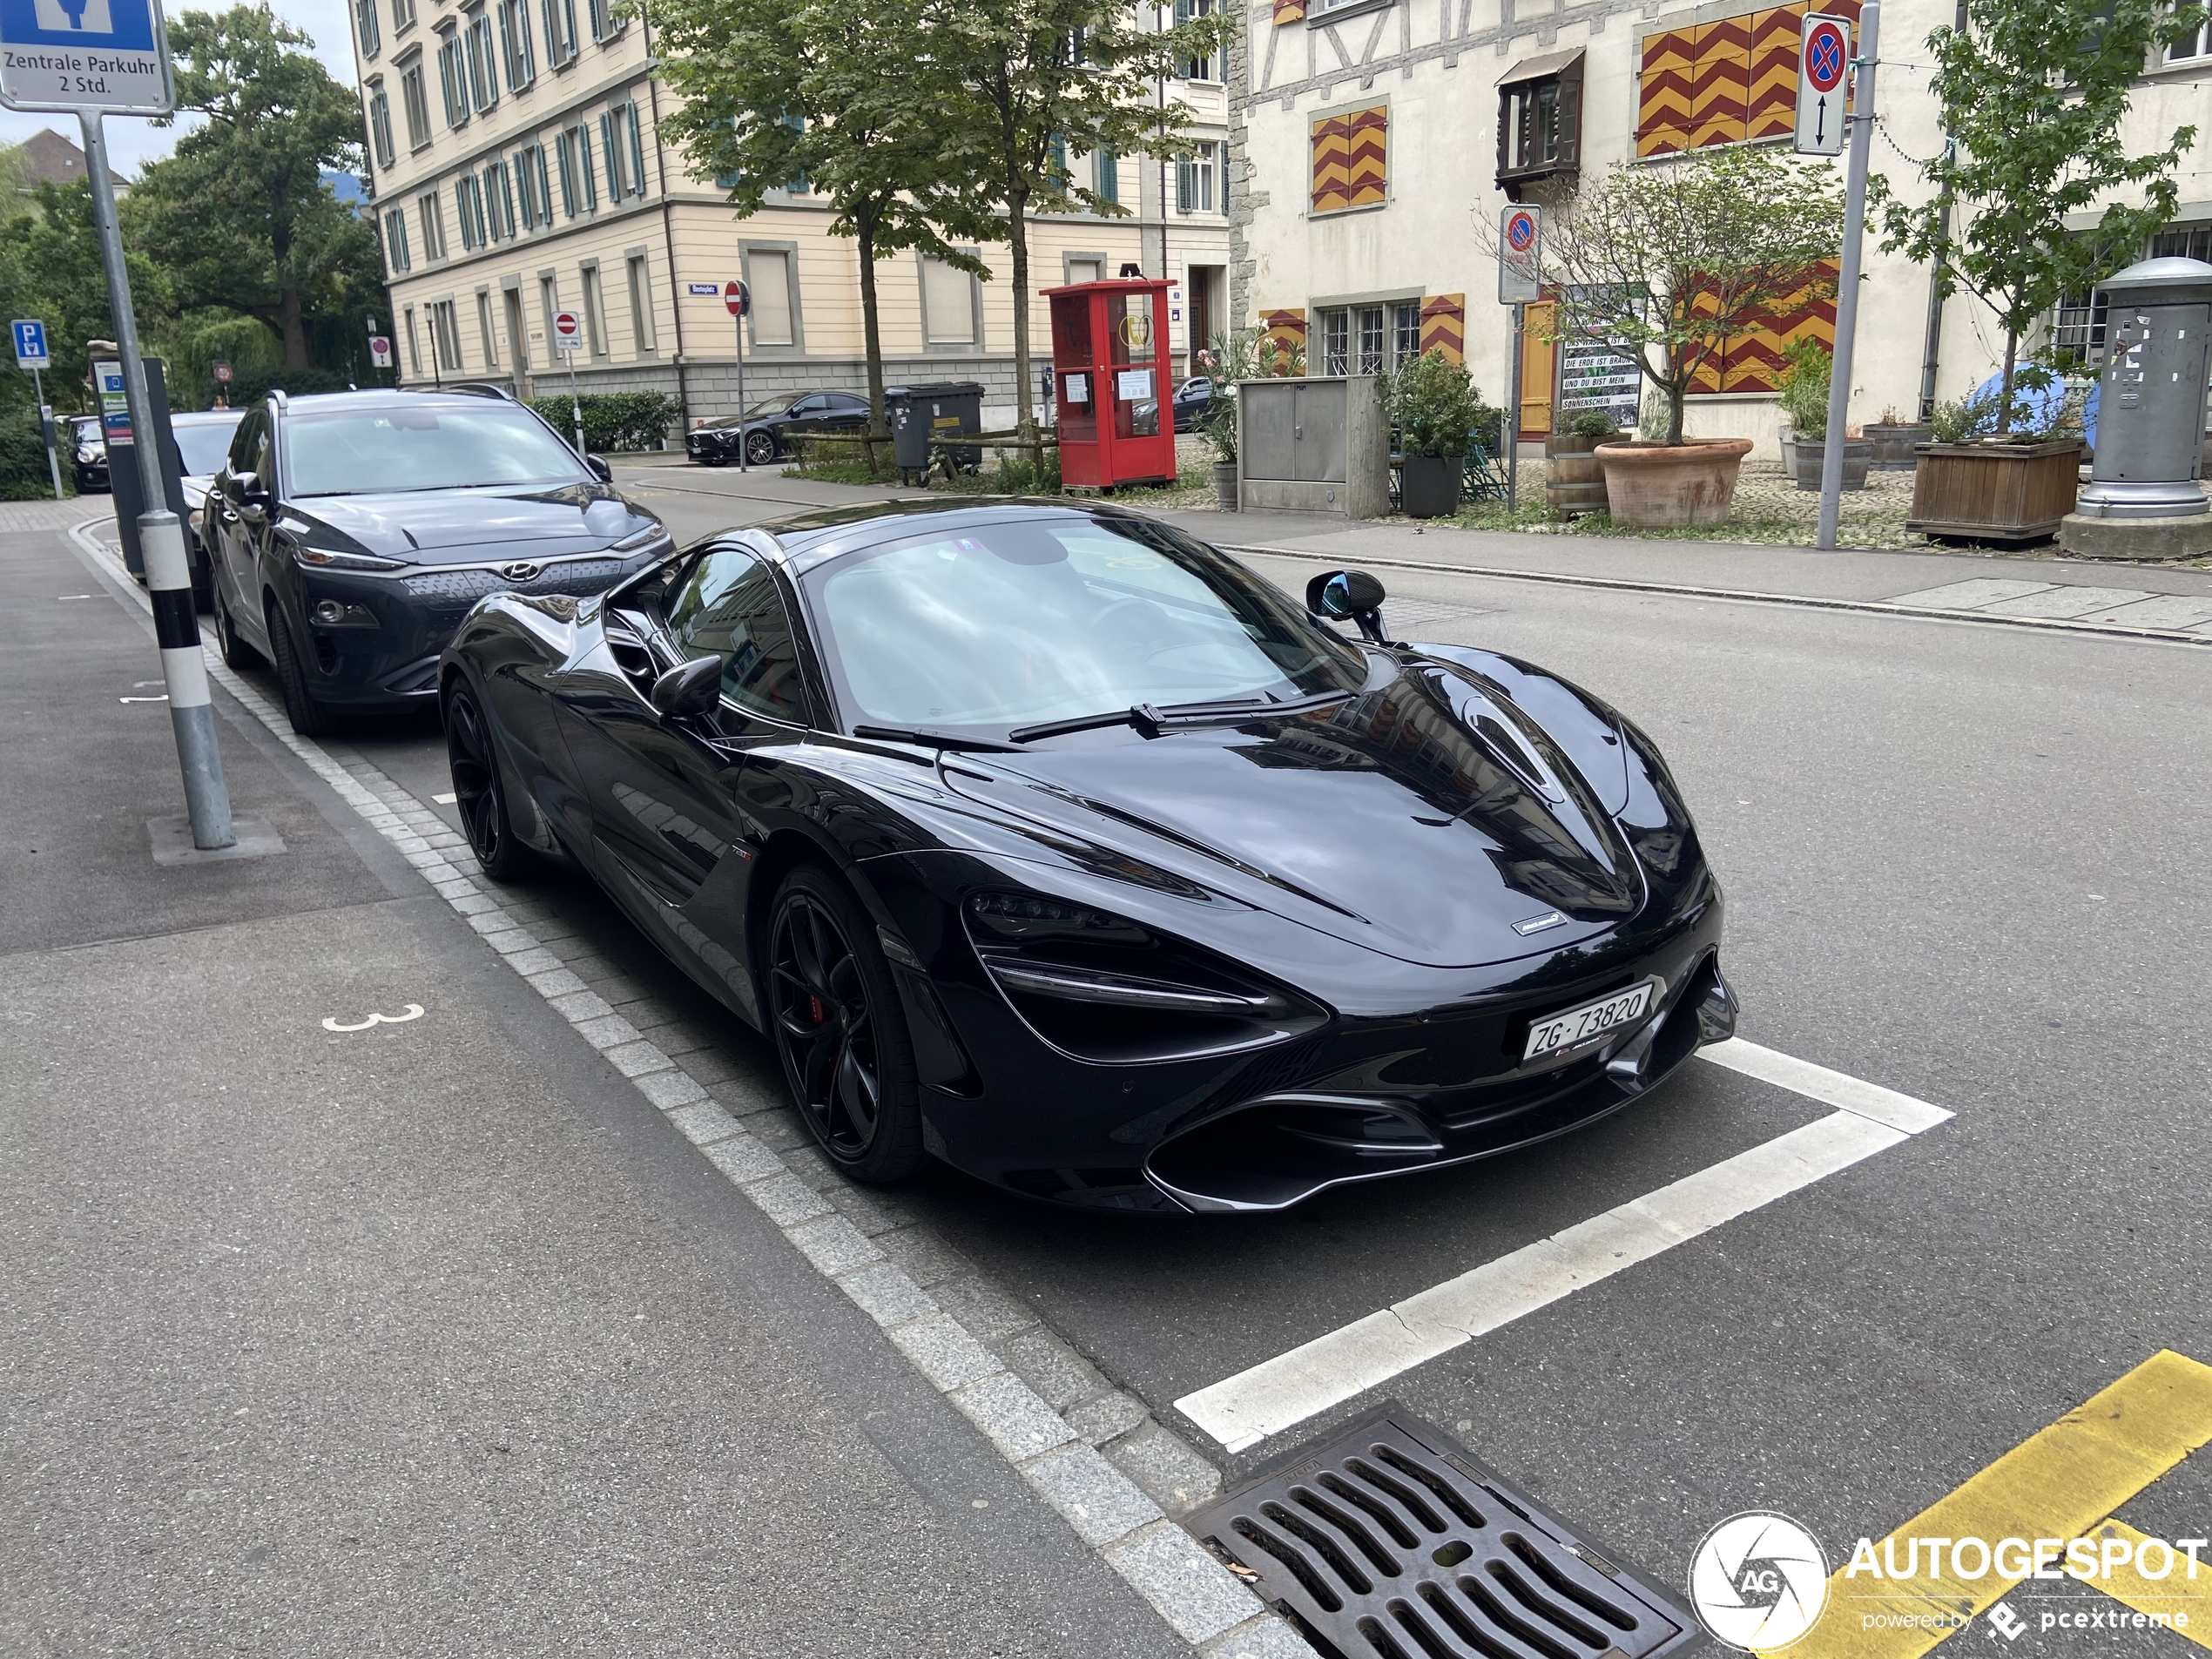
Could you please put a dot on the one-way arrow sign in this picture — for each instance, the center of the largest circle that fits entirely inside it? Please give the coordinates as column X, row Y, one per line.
column 1823, row 78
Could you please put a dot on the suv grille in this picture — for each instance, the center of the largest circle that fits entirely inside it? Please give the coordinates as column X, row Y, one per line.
column 1392, row 1543
column 463, row 588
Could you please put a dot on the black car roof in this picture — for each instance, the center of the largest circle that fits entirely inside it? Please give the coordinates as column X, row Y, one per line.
column 384, row 397
column 847, row 529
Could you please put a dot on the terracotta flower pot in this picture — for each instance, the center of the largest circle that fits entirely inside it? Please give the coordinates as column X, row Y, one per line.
column 1667, row 486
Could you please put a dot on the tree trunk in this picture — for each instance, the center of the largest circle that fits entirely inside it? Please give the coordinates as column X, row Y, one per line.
column 2004, row 385
column 292, row 326
column 1017, row 225
column 864, row 223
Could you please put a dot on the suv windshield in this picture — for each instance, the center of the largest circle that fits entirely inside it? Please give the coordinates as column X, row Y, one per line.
column 204, row 445
column 1030, row 621
column 366, row 450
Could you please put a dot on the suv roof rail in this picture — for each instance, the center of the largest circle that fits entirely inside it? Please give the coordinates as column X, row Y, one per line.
column 480, row 388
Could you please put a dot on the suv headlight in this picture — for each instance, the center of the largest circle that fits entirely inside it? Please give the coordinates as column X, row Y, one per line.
column 323, row 558
column 638, row 541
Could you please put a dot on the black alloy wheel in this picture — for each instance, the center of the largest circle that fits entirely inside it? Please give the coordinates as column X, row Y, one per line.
column 759, row 448
column 309, row 718
column 841, row 1030
column 479, row 794
column 237, row 654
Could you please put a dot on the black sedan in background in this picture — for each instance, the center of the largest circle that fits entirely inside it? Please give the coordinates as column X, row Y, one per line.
column 1191, row 400
column 203, row 445
column 351, row 533
column 1053, row 843
column 768, row 427
column 88, row 454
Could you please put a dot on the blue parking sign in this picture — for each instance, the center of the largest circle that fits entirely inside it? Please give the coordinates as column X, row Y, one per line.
column 107, row 56
column 31, row 343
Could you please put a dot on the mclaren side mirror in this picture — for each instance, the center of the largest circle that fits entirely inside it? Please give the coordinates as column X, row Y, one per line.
column 599, row 465
column 692, row 689
column 1349, row 596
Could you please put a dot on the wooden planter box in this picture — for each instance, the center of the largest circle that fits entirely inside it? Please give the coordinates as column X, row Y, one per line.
column 1573, row 477
column 1994, row 492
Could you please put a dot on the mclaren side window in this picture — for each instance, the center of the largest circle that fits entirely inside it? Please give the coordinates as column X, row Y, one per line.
column 728, row 604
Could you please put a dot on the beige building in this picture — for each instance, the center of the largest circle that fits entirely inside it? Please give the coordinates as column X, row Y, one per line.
column 1371, row 138
column 517, row 170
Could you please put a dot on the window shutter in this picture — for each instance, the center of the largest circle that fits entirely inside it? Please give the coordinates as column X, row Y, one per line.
column 1367, row 156
column 1285, row 328
column 1663, row 107
column 1771, row 110
column 1332, row 163
column 611, row 156
column 1720, row 82
column 1444, row 324
column 567, row 151
column 585, row 179
column 1570, row 115
column 637, row 151
column 1289, row 11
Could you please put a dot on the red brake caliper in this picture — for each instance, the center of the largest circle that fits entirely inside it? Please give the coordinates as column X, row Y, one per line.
column 815, row 1011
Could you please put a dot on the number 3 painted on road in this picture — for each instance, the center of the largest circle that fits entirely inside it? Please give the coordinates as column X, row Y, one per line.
column 414, row 1012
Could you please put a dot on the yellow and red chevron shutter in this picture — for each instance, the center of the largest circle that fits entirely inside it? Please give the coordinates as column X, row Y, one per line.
column 1350, row 159
column 1444, row 325
column 1753, row 361
column 1663, row 110
column 1726, row 81
column 1720, row 82
column 1289, row 11
column 1285, row 328
column 1772, row 111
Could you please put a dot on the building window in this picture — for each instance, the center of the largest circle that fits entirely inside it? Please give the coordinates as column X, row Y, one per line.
column 1728, row 81
column 948, row 304
column 453, row 78
column 402, row 20
column 365, row 19
column 433, row 221
column 517, row 53
column 623, row 149
column 469, row 205
column 499, row 202
column 768, row 279
column 2078, row 325
column 1405, row 330
column 483, row 64
column 445, row 336
column 1106, row 175
column 641, row 305
column 414, row 344
column 1350, row 160
column 380, row 126
column 1197, row 69
column 560, row 32
column 1196, row 179
column 532, row 195
column 396, row 248
column 594, row 333
column 415, row 103
column 1368, row 339
column 604, row 24
column 484, row 329
column 1540, row 121
column 2197, row 44
column 579, row 190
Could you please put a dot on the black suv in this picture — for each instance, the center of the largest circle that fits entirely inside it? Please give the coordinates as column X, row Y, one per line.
column 351, row 533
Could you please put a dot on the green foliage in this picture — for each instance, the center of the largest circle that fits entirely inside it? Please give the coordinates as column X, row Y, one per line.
column 50, row 268
column 1670, row 260
column 1016, row 475
column 24, row 475
column 1807, row 373
column 251, row 385
column 613, row 421
column 1247, row 355
column 239, row 216
column 1593, row 424
column 2033, row 420
column 2034, row 94
column 1432, row 402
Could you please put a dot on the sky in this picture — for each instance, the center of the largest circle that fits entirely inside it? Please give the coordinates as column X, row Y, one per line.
column 132, row 140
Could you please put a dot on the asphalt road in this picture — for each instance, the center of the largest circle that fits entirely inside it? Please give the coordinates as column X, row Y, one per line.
column 1963, row 862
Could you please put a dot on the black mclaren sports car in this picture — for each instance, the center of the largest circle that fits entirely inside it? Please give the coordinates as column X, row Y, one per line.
column 1051, row 842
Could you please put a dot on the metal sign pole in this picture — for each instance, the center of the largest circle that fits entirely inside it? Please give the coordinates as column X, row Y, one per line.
column 744, row 442
column 576, row 403
column 1509, row 425
column 176, row 622
column 1862, row 140
column 46, row 422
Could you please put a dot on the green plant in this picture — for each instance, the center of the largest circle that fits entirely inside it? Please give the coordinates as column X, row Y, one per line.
column 1668, row 261
column 1593, row 424
column 1248, row 354
column 1017, row 474
column 1654, row 418
column 613, row 421
column 2034, row 96
column 1807, row 368
column 1432, row 402
column 250, row 386
column 24, row 473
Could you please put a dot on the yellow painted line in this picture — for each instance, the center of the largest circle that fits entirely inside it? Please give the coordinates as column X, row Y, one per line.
column 2168, row 1595
column 2060, row 1482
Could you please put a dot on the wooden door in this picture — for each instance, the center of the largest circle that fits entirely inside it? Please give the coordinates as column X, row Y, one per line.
column 1539, row 370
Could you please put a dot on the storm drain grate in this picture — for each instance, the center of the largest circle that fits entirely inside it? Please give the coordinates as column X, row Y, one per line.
column 1392, row 1543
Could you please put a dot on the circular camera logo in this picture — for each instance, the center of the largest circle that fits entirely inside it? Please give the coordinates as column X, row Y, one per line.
column 1759, row 1581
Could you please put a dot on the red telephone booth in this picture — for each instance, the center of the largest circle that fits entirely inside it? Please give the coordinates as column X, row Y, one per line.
column 1111, row 382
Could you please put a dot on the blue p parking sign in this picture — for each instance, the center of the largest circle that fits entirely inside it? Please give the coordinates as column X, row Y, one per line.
column 31, row 343
column 110, row 56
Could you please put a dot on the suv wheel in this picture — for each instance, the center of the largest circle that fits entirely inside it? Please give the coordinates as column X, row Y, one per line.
column 237, row 654
column 309, row 718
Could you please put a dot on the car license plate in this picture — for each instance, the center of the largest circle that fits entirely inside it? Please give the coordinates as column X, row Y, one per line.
column 1576, row 1026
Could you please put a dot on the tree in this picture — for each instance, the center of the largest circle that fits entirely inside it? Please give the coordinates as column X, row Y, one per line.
column 1670, row 260
column 51, row 269
column 831, row 92
column 1044, row 79
column 240, row 215
column 2032, row 93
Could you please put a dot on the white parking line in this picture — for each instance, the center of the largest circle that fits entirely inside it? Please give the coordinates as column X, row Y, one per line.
column 1242, row 1411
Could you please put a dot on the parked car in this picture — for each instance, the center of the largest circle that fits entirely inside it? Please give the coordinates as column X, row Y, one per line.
column 88, row 454
column 203, row 445
column 767, row 427
column 352, row 531
column 1058, row 843
column 1191, row 400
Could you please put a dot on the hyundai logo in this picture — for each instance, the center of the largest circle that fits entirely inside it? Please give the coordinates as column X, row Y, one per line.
column 520, row 570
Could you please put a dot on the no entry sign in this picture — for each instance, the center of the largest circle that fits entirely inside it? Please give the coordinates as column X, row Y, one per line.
column 735, row 296
column 1823, row 74
column 568, row 331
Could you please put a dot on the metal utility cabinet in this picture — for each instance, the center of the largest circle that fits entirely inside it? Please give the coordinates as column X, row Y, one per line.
column 1112, row 380
column 1313, row 446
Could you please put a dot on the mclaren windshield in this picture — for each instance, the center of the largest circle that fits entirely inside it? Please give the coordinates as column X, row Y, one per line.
column 1045, row 622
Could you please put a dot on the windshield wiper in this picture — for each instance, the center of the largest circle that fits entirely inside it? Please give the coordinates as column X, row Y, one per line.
column 1152, row 719
column 928, row 740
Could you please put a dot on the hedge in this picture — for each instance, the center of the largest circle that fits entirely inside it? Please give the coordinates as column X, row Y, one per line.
column 24, row 474
column 614, row 421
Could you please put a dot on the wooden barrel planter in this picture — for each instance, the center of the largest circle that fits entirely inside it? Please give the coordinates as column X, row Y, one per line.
column 1994, row 492
column 1573, row 477
column 1894, row 446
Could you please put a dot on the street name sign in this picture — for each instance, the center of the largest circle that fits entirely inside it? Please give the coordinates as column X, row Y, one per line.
column 1519, row 247
column 93, row 56
column 568, row 331
column 1824, row 76
column 704, row 290
column 31, row 343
